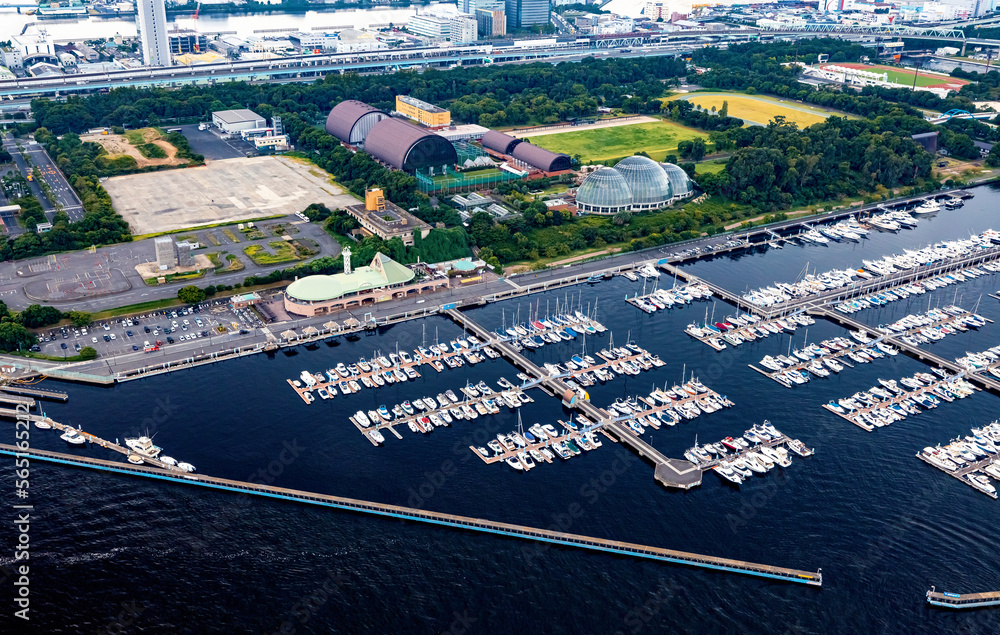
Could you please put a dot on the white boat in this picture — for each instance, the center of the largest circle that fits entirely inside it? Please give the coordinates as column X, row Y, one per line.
column 143, row 446
column 169, row 460
column 376, row 436
column 725, row 471
column 187, row 467
column 73, row 437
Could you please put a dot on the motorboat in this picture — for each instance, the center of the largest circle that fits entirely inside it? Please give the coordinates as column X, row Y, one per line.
column 143, row 446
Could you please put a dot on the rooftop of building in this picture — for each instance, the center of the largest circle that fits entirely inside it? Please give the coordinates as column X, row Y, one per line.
column 382, row 272
column 236, row 116
column 419, row 103
column 391, row 220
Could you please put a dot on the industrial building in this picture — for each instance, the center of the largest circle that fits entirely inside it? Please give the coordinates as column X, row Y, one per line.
column 636, row 183
column 235, row 121
column 525, row 153
column 387, row 220
column 151, row 22
column 182, row 42
column 383, row 279
column 351, row 121
column 407, row 147
column 428, row 114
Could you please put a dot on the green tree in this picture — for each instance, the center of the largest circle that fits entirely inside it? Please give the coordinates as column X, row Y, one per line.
column 88, row 352
column 80, row 318
column 724, row 111
column 14, row 337
column 190, row 294
column 37, row 315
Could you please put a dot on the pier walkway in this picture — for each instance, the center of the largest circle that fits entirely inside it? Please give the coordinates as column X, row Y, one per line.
column 963, row 600
column 925, row 356
column 811, row 578
column 670, row 472
column 31, row 391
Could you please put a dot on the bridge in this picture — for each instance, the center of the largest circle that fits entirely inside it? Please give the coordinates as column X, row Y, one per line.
column 465, row 523
column 960, row 114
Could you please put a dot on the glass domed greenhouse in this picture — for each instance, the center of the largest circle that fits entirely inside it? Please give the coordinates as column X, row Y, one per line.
column 604, row 191
column 636, row 183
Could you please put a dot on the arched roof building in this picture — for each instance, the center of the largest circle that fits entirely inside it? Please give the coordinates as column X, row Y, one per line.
column 499, row 142
column 408, row 147
column 351, row 120
column 540, row 158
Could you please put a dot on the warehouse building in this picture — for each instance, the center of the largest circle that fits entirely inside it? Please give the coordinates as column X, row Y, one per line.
column 524, row 153
column 428, row 114
column 407, row 147
column 235, row 121
column 352, row 120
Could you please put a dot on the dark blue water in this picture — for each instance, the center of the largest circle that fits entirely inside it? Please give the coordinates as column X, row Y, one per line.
column 882, row 525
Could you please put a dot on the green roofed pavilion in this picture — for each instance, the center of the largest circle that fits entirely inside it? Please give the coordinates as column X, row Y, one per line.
column 382, row 272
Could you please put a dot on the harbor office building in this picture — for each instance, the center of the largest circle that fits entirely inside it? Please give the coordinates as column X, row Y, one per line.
column 384, row 279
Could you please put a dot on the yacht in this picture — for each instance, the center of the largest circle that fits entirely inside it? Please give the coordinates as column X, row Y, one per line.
column 376, row 436
column 725, row 471
column 73, row 437
column 143, row 446
column 187, row 467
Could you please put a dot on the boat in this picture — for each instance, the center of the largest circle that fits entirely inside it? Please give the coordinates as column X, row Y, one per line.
column 73, row 437
column 169, row 460
column 725, row 471
column 187, row 467
column 514, row 463
column 143, row 446
column 376, row 436
column 43, row 424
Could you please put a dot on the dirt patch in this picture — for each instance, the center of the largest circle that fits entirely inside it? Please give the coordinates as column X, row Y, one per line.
column 117, row 145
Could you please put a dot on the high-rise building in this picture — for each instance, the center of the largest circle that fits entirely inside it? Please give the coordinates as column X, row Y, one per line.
column 463, row 28
column 151, row 20
column 492, row 22
column 524, row 14
column 471, row 6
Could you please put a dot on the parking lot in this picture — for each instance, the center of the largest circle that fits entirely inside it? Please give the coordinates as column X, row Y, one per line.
column 213, row 322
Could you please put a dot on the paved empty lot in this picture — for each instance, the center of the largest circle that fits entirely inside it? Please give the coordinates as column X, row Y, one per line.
column 222, row 191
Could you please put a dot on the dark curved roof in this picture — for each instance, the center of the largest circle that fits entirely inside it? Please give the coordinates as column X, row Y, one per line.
column 408, row 147
column 499, row 142
column 540, row 158
column 341, row 120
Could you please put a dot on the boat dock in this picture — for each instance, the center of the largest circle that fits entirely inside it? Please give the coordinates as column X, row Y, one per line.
column 921, row 354
column 963, row 600
column 17, row 400
column 32, row 391
column 809, row 578
column 108, row 445
column 854, row 416
column 963, row 471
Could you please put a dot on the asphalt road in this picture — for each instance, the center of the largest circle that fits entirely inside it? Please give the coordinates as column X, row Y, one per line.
column 52, row 175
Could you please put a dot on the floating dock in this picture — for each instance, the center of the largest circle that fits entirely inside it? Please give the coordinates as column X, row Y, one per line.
column 895, row 399
column 32, row 391
column 810, row 578
column 963, row 600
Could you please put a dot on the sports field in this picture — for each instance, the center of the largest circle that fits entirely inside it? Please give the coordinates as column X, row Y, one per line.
column 904, row 76
column 657, row 139
column 759, row 110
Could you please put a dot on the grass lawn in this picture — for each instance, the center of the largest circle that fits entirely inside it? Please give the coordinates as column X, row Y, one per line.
column 142, row 307
column 283, row 252
column 760, row 109
column 600, row 144
column 709, row 167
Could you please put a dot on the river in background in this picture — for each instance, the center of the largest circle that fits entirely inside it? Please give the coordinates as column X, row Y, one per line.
column 881, row 524
column 11, row 23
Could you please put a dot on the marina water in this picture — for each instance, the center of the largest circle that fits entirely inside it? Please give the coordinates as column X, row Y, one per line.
column 882, row 525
